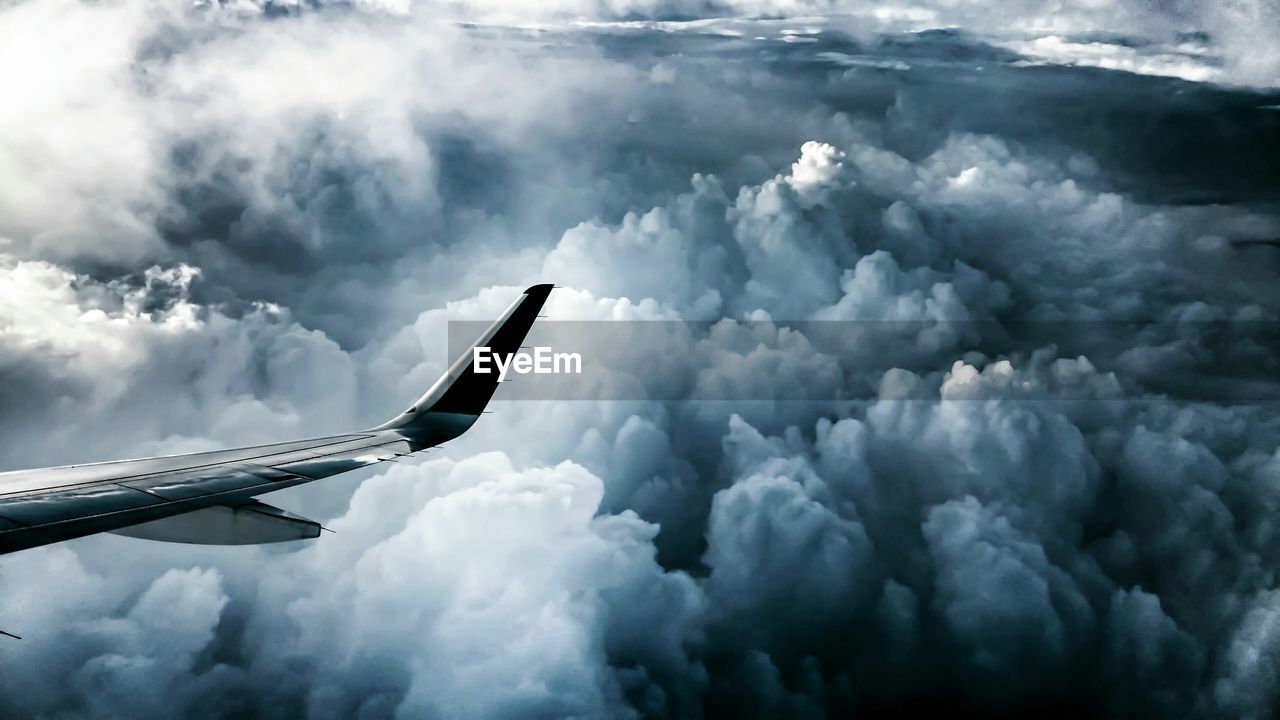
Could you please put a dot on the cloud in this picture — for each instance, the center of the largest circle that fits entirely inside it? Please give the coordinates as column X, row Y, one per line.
column 1014, row 614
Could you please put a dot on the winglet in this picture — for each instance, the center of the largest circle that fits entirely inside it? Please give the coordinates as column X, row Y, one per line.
column 455, row 400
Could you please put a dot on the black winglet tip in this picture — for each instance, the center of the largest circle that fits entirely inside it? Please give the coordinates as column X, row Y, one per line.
column 544, row 289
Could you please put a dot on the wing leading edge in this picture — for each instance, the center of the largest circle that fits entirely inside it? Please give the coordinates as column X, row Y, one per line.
column 208, row 497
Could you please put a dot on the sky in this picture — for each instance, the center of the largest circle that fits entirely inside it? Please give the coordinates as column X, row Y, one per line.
column 1035, row 470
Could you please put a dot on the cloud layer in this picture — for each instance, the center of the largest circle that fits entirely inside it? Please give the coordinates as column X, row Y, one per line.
column 239, row 222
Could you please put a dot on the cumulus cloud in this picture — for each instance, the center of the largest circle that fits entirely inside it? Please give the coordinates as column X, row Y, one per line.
column 501, row 577
column 1010, row 291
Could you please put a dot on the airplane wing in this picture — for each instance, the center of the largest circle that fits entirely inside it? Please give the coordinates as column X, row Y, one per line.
column 208, row 497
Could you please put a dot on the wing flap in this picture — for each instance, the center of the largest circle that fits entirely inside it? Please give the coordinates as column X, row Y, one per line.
column 250, row 523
